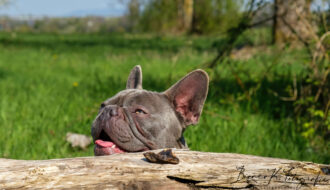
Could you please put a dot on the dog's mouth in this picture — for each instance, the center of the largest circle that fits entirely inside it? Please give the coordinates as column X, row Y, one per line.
column 105, row 146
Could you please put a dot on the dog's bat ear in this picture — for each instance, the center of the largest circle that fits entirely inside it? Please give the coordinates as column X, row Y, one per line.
column 134, row 80
column 188, row 95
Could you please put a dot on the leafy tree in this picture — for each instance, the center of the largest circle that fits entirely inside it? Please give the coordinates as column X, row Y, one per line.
column 185, row 14
column 210, row 16
column 133, row 14
column 195, row 16
column 158, row 15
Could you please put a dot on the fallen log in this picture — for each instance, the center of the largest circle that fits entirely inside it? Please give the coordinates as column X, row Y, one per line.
column 196, row 170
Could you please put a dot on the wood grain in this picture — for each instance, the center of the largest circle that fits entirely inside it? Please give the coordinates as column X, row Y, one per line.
column 196, row 170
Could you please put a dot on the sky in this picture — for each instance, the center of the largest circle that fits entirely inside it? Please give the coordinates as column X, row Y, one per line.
column 60, row 8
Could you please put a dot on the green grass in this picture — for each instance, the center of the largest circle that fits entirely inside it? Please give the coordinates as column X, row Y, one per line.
column 53, row 84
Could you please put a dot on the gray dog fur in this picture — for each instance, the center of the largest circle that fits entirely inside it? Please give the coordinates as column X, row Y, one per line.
column 139, row 120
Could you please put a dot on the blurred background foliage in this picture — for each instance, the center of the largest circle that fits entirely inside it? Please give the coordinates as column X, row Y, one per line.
column 268, row 63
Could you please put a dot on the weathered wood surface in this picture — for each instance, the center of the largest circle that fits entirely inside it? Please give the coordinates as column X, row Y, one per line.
column 196, row 170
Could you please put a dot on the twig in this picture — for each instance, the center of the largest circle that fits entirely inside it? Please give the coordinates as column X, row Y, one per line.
column 239, row 82
column 261, row 22
column 218, row 115
column 320, row 48
column 306, row 44
column 295, row 92
column 324, row 80
column 235, row 32
column 320, row 52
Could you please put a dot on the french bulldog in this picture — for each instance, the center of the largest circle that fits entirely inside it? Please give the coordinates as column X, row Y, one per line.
column 137, row 120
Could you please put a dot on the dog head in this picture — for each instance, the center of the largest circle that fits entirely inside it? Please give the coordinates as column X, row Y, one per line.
column 138, row 120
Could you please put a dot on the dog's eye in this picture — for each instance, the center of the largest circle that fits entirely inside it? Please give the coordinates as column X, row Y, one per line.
column 102, row 105
column 139, row 111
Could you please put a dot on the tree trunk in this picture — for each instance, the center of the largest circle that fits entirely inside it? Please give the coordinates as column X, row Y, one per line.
column 195, row 28
column 185, row 14
column 133, row 14
column 292, row 22
column 196, row 170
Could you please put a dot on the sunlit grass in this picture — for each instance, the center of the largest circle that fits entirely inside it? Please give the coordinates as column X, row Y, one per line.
column 51, row 85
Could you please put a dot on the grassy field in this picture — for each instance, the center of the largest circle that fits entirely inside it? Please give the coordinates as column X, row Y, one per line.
column 53, row 84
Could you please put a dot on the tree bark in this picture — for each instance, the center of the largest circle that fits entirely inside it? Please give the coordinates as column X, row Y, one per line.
column 185, row 14
column 292, row 22
column 196, row 170
column 133, row 13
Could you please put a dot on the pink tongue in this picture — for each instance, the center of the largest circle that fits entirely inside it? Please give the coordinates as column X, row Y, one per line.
column 104, row 144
